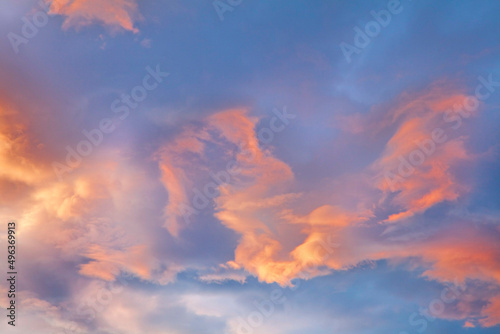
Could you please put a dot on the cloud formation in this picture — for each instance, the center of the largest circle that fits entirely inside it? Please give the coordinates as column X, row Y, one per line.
column 281, row 239
column 116, row 14
column 378, row 194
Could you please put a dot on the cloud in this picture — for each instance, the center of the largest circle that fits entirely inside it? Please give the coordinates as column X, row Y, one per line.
column 107, row 263
column 253, row 190
column 284, row 235
column 417, row 161
column 20, row 150
column 173, row 162
column 40, row 315
column 491, row 312
column 116, row 14
column 105, row 211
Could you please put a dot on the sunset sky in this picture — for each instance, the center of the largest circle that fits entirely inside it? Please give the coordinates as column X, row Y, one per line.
column 251, row 166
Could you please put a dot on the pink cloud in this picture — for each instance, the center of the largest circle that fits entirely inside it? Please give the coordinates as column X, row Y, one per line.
column 116, row 14
column 417, row 161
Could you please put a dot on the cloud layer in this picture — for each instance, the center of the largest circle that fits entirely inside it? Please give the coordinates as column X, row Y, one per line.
column 266, row 185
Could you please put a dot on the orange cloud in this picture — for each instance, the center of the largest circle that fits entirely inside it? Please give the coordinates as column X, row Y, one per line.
column 455, row 254
column 106, row 264
column 89, row 210
column 119, row 14
column 258, row 189
column 417, row 160
column 251, row 205
column 465, row 255
column 491, row 312
column 174, row 160
column 20, row 150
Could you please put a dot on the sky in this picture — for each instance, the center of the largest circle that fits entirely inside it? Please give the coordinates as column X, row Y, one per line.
column 240, row 167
